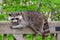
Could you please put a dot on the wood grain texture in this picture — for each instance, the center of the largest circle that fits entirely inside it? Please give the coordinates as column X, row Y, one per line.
column 5, row 28
column 58, row 36
column 53, row 25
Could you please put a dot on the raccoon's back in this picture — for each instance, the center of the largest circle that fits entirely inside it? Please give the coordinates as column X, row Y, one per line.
column 35, row 18
column 38, row 19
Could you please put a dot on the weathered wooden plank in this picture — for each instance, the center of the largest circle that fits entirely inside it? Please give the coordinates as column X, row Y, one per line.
column 53, row 25
column 5, row 28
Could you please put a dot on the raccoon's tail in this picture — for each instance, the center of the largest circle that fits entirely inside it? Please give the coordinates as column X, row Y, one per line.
column 46, row 28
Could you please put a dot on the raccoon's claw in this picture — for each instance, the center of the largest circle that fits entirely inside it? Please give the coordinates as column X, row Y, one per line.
column 11, row 27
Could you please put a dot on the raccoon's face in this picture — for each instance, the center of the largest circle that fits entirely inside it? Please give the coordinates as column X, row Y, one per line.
column 15, row 17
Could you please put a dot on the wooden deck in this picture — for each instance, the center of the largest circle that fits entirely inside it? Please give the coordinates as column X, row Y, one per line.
column 5, row 28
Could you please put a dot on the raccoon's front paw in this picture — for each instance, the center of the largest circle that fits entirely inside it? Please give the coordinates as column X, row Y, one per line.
column 11, row 27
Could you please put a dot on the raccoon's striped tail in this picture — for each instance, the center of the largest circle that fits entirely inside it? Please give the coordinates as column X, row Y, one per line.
column 46, row 28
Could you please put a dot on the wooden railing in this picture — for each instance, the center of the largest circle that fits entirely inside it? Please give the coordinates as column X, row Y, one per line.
column 5, row 29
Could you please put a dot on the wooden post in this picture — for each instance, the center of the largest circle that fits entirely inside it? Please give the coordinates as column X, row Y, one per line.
column 18, row 37
column 58, row 36
column 24, row 36
column 43, row 37
column 52, row 36
column 14, row 38
column 4, row 37
column 34, row 37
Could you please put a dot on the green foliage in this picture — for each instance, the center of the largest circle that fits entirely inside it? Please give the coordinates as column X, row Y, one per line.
column 1, row 37
column 2, row 16
column 9, row 37
column 22, row 5
column 28, row 37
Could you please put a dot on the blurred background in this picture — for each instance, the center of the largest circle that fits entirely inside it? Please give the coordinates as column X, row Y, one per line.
column 50, row 8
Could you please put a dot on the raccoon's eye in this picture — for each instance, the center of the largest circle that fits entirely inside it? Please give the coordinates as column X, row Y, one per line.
column 17, row 18
column 12, row 19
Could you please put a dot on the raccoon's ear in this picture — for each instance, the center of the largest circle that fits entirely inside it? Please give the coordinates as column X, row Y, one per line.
column 18, row 13
column 22, row 13
column 10, row 14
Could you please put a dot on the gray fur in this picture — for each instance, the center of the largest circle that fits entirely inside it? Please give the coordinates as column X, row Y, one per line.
column 31, row 19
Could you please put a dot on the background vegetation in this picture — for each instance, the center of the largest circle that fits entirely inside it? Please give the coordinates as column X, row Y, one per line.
column 44, row 6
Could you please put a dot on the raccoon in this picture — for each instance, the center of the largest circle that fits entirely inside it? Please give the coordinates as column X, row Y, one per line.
column 32, row 19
